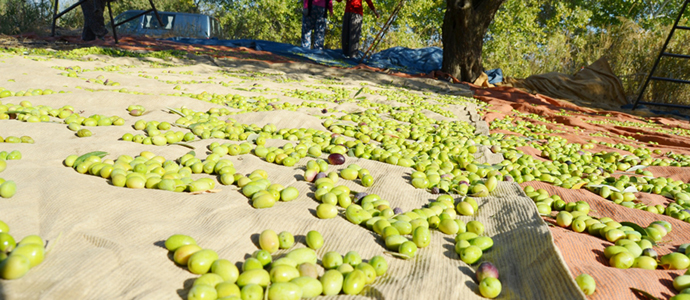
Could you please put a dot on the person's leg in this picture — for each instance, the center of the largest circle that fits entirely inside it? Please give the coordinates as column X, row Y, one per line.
column 356, row 33
column 345, row 35
column 87, row 8
column 306, row 29
column 319, row 27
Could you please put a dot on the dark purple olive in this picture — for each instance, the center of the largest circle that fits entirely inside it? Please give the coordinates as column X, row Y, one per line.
column 567, row 162
column 336, row 159
column 397, row 210
column 486, row 270
column 464, row 182
column 508, row 178
column 359, row 196
column 324, row 111
column 320, row 175
column 434, row 190
column 649, row 252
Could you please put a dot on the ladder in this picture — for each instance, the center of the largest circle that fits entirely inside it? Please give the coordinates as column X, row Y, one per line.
column 656, row 63
column 383, row 30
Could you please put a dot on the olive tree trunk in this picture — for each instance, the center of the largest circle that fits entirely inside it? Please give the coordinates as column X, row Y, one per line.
column 464, row 26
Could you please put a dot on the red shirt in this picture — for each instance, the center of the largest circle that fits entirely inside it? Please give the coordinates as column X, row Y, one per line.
column 355, row 6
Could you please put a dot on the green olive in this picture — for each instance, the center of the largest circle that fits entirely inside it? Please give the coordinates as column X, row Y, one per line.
column 8, row 189
column 332, row 282
column 182, row 254
column 314, row 239
column 257, row 276
column 34, row 252
column 200, row 262
column 326, row 211
column 7, row 242
column 354, row 282
column 367, row 180
column 226, row 270
column 84, row 133
column 470, row 254
column 289, row 193
column 178, row 240
column 310, row 286
column 408, row 248
column 284, row 291
column 209, row 279
column 269, row 241
column 14, row 266
column 283, row 273
column 349, row 174
column 286, row 240
column 252, row 291
column 368, row 270
column 228, row 289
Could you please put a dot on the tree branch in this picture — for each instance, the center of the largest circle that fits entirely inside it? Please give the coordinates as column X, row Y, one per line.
column 484, row 6
column 658, row 11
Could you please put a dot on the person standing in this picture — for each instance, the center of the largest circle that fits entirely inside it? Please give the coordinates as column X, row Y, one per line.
column 94, row 26
column 314, row 16
column 352, row 25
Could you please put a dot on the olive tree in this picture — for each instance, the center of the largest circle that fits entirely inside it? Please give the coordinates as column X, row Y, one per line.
column 464, row 26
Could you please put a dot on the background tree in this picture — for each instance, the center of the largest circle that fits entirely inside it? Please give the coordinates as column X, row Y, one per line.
column 464, row 26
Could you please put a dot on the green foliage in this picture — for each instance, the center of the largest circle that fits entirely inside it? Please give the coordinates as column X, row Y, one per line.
column 530, row 37
column 644, row 13
column 539, row 36
column 23, row 16
column 417, row 24
column 273, row 20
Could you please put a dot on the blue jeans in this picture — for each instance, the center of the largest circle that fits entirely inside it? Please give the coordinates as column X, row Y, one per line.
column 316, row 22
